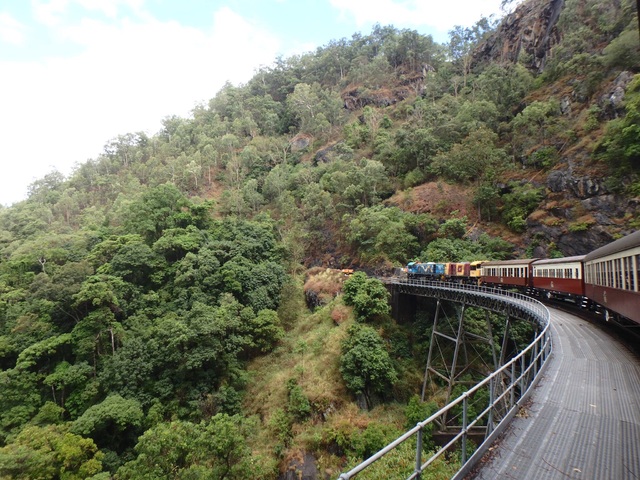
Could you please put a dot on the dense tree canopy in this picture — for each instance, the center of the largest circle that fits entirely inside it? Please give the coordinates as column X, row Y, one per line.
column 145, row 294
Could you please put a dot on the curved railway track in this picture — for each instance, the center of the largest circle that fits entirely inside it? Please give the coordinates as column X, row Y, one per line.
column 583, row 419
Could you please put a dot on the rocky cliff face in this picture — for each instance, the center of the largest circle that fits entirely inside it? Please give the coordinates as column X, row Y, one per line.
column 527, row 35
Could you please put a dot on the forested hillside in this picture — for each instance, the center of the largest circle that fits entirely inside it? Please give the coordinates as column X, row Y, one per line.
column 168, row 311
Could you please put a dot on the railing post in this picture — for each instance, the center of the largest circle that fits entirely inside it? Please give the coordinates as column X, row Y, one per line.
column 522, row 370
column 491, row 407
column 464, row 429
column 512, row 385
column 418, row 469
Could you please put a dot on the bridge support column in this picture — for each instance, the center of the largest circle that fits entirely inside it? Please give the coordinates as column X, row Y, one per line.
column 456, row 350
column 403, row 306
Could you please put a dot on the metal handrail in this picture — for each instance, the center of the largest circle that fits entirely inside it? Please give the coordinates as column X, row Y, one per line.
column 514, row 394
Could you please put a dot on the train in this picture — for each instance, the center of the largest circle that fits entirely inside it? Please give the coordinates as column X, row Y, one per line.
column 605, row 280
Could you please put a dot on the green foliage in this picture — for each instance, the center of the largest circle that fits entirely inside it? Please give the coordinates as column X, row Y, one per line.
column 352, row 286
column 623, row 52
column 115, row 421
column 453, row 227
column 545, row 157
column 265, row 330
column 535, row 125
column 418, row 411
column 42, row 352
column 373, row 439
column 183, row 450
column 316, row 109
column 518, row 204
column 400, row 463
column 382, row 232
column 505, row 85
column 460, row 250
column 298, row 403
column 486, row 198
column 475, row 158
column 368, row 296
column 365, row 364
column 280, row 426
column 619, row 147
column 50, row 453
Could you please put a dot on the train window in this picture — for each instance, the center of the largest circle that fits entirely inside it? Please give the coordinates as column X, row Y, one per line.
column 627, row 272
column 618, row 272
column 636, row 272
column 600, row 273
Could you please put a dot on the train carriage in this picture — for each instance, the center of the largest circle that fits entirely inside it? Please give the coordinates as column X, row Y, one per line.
column 429, row 270
column 560, row 277
column 457, row 272
column 475, row 270
column 611, row 274
column 507, row 273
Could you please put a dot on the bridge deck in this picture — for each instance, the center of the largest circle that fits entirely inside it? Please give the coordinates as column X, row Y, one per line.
column 583, row 420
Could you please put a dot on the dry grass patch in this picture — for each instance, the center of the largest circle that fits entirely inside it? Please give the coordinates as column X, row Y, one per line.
column 322, row 285
column 310, row 354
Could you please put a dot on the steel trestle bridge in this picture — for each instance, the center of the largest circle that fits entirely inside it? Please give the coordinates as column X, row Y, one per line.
column 501, row 393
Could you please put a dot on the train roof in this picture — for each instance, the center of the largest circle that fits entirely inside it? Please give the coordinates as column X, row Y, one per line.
column 525, row 261
column 625, row 243
column 547, row 261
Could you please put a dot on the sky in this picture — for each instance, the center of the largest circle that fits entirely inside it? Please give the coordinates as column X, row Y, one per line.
column 76, row 73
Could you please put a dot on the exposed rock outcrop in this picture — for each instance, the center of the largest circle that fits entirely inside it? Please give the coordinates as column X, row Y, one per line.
column 611, row 102
column 528, row 34
column 582, row 215
column 581, row 187
column 358, row 97
column 301, row 467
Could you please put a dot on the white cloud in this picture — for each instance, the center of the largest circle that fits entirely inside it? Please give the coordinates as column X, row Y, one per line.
column 433, row 13
column 49, row 13
column 129, row 76
column 11, row 30
column 110, row 8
